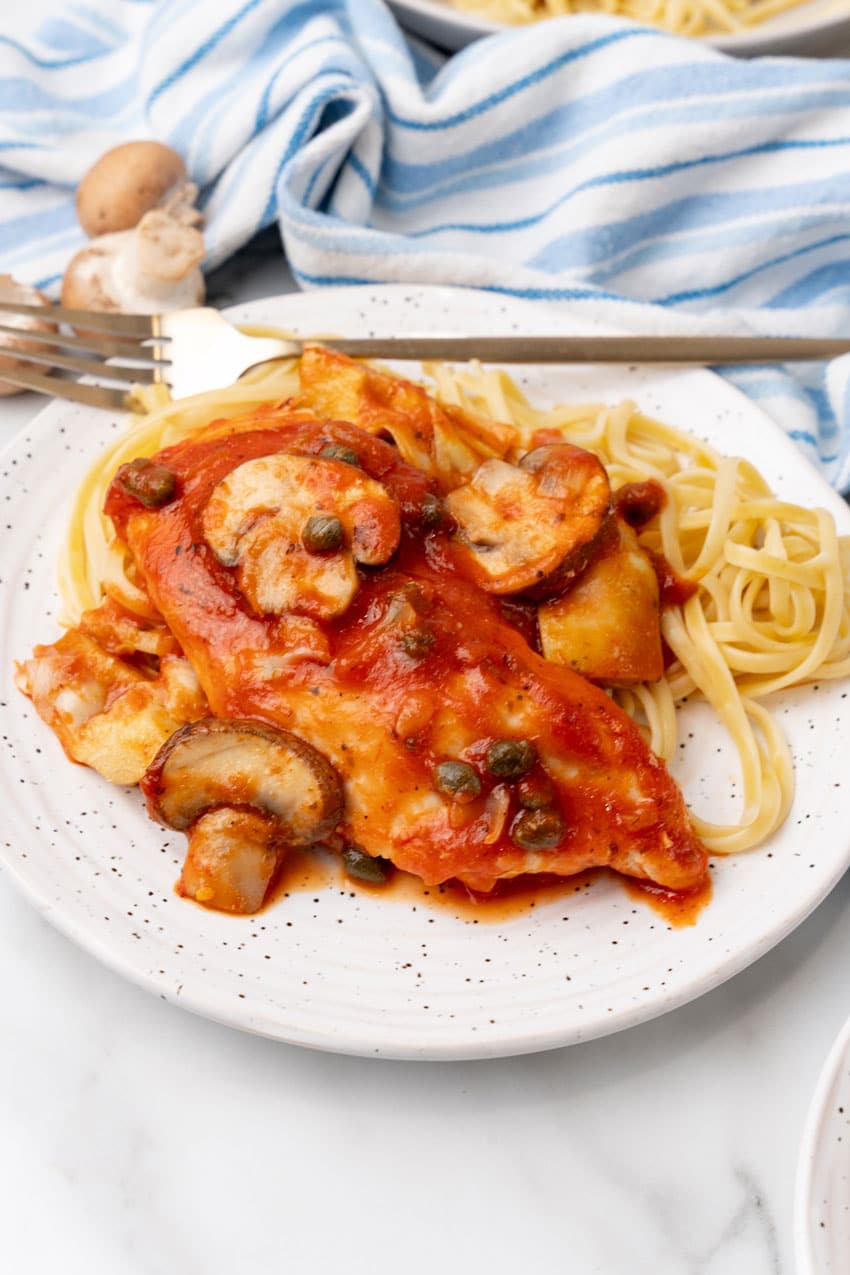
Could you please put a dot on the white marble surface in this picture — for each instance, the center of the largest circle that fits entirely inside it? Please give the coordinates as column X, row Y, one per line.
column 138, row 1140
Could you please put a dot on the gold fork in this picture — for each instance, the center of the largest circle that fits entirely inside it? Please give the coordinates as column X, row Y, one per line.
column 193, row 350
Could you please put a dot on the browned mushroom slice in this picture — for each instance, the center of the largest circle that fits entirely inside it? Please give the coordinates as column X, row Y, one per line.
column 607, row 625
column 295, row 527
column 530, row 526
column 233, row 762
column 242, row 791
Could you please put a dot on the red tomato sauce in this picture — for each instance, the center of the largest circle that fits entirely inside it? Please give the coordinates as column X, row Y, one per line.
column 638, row 503
column 305, row 871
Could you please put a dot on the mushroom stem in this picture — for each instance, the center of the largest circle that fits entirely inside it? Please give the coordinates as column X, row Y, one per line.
column 230, row 860
column 179, row 203
column 241, row 791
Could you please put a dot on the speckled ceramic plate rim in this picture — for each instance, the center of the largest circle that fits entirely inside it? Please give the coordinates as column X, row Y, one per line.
column 368, row 1037
column 813, row 1242
column 454, row 28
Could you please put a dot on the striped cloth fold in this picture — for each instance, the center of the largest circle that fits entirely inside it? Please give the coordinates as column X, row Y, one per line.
column 640, row 179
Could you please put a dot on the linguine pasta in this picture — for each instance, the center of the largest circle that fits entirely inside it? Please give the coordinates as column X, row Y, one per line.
column 771, row 610
column 683, row 17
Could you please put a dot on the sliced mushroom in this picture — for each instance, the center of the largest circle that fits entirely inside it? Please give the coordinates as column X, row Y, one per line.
column 607, row 626
column 529, row 528
column 145, row 270
column 231, row 762
column 243, row 791
column 295, row 526
column 128, row 181
column 12, row 291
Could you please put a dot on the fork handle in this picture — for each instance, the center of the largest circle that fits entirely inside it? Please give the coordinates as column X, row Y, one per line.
column 699, row 350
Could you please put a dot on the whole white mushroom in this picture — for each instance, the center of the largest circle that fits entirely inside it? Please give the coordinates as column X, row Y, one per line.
column 138, row 205
column 128, row 181
column 146, row 270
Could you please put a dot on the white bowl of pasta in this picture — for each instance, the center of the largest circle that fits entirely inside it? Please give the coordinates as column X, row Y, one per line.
column 413, row 971
column 788, row 27
column 822, row 1190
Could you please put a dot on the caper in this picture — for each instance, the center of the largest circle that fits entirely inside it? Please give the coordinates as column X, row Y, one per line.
column 335, row 451
column 510, row 758
column 538, row 829
column 416, row 642
column 363, row 866
column 152, row 485
column 322, row 534
column 431, row 511
column 457, row 779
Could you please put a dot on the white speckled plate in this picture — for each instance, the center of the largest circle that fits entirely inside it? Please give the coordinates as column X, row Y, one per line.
column 352, row 971
column 821, row 27
column 822, row 1211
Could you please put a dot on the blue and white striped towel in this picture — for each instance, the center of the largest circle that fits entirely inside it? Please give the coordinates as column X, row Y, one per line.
column 586, row 161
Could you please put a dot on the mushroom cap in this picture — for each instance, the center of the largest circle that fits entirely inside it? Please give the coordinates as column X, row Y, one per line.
column 237, row 763
column 255, row 521
column 527, row 527
column 124, row 184
column 12, row 291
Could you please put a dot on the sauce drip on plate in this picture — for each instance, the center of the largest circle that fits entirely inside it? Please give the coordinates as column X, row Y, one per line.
column 306, row 871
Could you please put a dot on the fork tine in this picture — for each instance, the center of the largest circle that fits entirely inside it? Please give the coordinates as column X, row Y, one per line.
column 106, row 345
column 139, row 326
column 126, row 372
column 91, row 395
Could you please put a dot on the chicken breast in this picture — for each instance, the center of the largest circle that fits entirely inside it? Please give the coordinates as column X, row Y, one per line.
column 463, row 753
column 106, row 713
